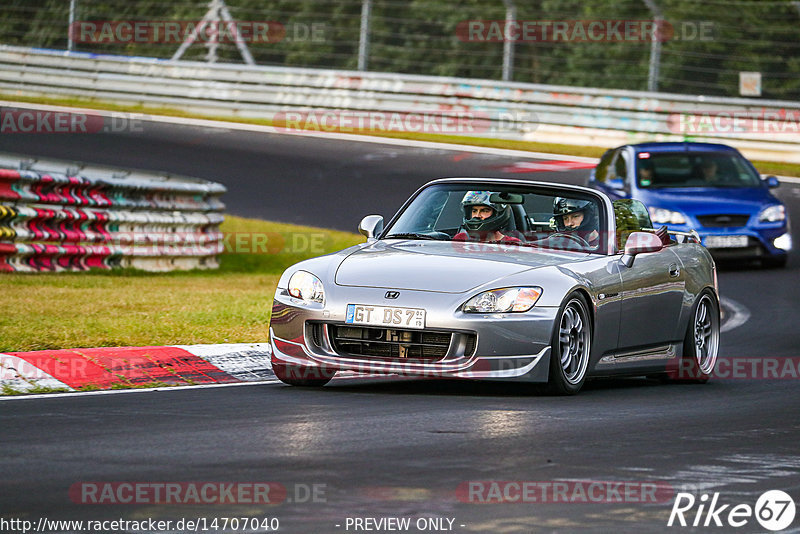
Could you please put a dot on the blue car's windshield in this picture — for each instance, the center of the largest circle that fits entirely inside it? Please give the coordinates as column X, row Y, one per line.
column 694, row 169
column 512, row 215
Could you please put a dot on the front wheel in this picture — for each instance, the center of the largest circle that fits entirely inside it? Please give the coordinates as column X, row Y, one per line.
column 296, row 375
column 570, row 348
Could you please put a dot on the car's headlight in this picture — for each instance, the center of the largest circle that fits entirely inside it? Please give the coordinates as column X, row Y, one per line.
column 664, row 216
column 772, row 214
column 511, row 299
column 783, row 242
column 305, row 286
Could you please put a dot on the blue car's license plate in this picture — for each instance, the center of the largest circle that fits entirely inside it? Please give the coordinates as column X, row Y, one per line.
column 726, row 241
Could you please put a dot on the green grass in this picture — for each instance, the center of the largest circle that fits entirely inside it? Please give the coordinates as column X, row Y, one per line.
column 6, row 390
column 135, row 308
column 764, row 167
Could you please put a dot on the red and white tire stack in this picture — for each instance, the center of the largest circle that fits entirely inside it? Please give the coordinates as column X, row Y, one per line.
column 66, row 221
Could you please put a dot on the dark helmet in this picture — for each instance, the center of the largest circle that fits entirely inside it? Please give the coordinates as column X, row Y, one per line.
column 565, row 206
column 499, row 219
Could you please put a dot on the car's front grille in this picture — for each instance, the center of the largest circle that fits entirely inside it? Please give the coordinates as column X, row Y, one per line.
column 723, row 220
column 393, row 343
column 752, row 250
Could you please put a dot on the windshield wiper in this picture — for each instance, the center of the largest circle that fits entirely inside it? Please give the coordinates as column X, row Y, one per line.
column 410, row 235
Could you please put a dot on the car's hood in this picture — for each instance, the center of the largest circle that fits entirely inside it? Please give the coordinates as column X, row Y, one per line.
column 448, row 267
column 706, row 201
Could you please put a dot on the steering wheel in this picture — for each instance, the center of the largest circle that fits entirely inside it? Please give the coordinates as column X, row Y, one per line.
column 578, row 239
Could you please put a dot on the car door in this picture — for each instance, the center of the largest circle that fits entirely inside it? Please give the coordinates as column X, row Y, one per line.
column 652, row 288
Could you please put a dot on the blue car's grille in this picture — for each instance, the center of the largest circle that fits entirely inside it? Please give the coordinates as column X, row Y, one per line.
column 723, row 220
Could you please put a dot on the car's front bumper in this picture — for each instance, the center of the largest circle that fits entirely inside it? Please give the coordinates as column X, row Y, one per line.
column 505, row 346
column 761, row 240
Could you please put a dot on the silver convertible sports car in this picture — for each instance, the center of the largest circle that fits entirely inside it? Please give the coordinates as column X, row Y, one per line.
column 502, row 280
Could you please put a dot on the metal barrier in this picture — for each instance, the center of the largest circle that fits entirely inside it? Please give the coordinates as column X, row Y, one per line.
column 766, row 130
column 65, row 221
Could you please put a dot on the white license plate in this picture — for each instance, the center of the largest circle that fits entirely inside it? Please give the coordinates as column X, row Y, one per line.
column 385, row 316
column 726, row 241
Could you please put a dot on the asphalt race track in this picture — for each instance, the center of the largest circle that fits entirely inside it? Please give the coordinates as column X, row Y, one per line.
column 378, row 448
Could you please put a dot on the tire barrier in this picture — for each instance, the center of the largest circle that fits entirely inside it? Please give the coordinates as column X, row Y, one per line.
column 63, row 221
column 338, row 100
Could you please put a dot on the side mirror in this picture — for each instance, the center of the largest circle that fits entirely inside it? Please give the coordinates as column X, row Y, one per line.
column 640, row 243
column 772, row 182
column 370, row 226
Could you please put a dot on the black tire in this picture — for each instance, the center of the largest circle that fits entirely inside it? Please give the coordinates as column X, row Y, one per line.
column 302, row 376
column 571, row 346
column 701, row 342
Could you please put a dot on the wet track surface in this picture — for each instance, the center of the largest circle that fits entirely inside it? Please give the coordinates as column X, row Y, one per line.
column 396, row 447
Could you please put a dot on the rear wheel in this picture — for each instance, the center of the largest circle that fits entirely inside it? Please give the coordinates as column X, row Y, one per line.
column 296, row 375
column 701, row 342
column 570, row 347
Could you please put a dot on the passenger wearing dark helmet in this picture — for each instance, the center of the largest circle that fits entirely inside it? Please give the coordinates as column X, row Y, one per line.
column 484, row 220
column 578, row 217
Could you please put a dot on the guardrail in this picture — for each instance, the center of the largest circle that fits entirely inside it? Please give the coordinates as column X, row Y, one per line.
column 762, row 129
column 54, row 219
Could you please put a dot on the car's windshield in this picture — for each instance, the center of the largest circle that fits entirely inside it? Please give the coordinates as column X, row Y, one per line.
column 694, row 169
column 525, row 216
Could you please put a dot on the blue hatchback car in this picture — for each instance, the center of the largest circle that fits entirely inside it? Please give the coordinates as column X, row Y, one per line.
column 709, row 188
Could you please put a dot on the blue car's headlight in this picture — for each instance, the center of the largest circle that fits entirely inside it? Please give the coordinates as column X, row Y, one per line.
column 772, row 214
column 665, row 216
column 305, row 286
column 783, row 242
column 511, row 299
